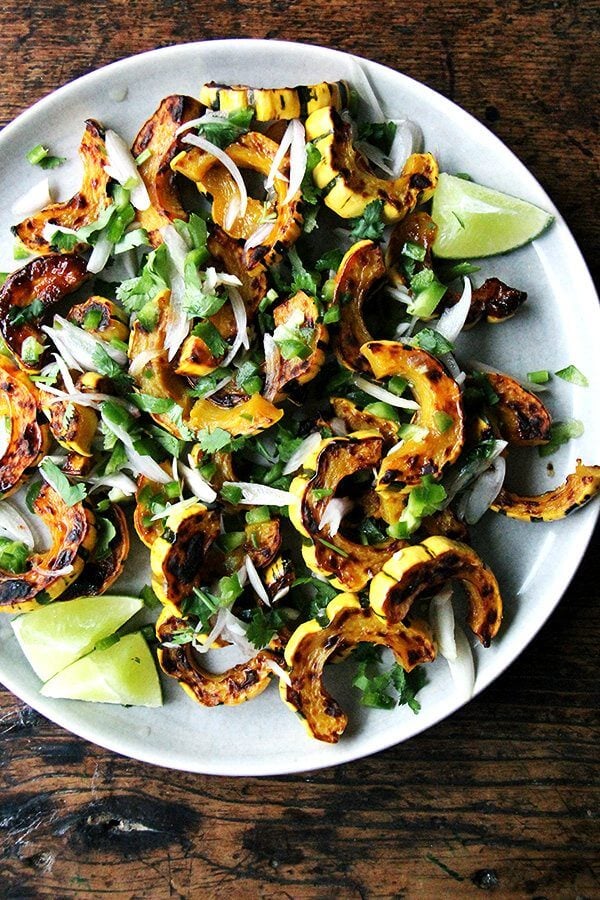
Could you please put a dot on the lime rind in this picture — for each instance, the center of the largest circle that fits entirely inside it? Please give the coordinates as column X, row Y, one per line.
column 123, row 673
column 475, row 221
column 54, row 636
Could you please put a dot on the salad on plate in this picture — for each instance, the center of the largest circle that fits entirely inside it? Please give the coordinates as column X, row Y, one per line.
column 239, row 345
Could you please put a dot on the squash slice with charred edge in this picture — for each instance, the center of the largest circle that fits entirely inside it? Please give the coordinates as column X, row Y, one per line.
column 146, row 529
column 423, row 569
column 230, row 688
column 435, row 392
column 246, row 417
column 300, row 311
column 521, row 417
column 256, row 152
column 350, row 184
column 158, row 135
column 178, row 554
column 349, row 565
column 72, row 425
column 360, row 272
column 29, row 438
column 228, row 256
column 84, row 207
column 111, row 319
column 417, row 228
column 157, row 377
column 73, row 536
column 356, row 419
column 311, row 645
column 579, row 488
column 99, row 574
column 276, row 103
column 47, row 279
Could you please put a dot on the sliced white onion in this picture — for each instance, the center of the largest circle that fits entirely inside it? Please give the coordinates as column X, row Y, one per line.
column 14, row 526
column 441, row 618
column 281, row 673
column 462, row 668
column 212, row 280
column 284, row 145
column 241, row 321
column 93, row 399
column 407, row 140
column 333, row 514
column 399, row 292
column 462, row 478
column 259, row 236
column 213, row 635
column 255, row 581
column 281, row 594
column 478, row 366
column 118, row 480
column 449, row 360
column 82, row 345
column 375, row 155
column 482, row 493
column 62, row 348
column 452, row 320
column 375, row 390
column 198, row 485
column 141, row 464
column 121, row 166
column 308, row 445
column 5, row 434
column 173, row 508
column 338, row 426
column 211, row 115
column 178, row 324
column 65, row 373
column 261, row 494
column 361, row 83
column 226, row 161
column 271, row 352
column 55, row 573
column 100, row 254
column 141, row 360
column 402, row 329
column 297, row 159
column 32, row 201
column 50, row 229
column 220, row 384
column 122, row 267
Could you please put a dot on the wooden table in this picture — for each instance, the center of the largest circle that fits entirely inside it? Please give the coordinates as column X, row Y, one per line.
column 503, row 796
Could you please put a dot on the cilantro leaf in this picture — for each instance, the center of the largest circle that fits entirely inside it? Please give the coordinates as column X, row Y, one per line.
column 225, row 131
column 376, row 689
column 311, row 194
column 18, row 315
column 379, row 134
column 302, row 280
column 432, row 341
column 370, row 226
column 263, row 625
column 134, row 293
column 215, row 440
column 70, row 493
column 106, row 534
column 106, row 365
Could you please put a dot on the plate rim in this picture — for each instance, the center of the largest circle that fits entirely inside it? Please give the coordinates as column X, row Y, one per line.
column 378, row 741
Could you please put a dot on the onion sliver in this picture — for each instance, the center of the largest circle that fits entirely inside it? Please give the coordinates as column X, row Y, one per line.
column 100, row 254
column 380, row 393
column 452, row 320
column 178, row 324
column 308, row 445
column 284, row 145
column 118, row 480
column 14, row 526
column 254, row 579
column 5, row 434
column 333, row 514
column 482, row 493
column 241, row 321
column 261, row 494
column 297, row 159
column 441, row 618
column 121, row 166
column 462, row 668
column 32, row 201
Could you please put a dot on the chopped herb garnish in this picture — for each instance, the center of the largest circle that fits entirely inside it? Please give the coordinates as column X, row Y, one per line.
column 18, row 315
column 263, row 625
column 432, row 341
column 40, row 156
column 573, row 376
column 379, row 134
column 149, row 597
column 442, row 421
column 207, row 332
column 370, row 226
column 376, row 689
column 561, row 433
column 13, row 556
column 225, row 131
column 70, row 493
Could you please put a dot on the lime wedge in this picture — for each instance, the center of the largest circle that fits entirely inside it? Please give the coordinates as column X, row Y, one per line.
column 54, row 636
column 123, row 673
column 475, row 221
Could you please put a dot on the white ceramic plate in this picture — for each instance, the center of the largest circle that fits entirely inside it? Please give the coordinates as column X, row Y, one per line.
column 558, row 325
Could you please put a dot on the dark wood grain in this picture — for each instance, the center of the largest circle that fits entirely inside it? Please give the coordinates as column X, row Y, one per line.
column 503, row 797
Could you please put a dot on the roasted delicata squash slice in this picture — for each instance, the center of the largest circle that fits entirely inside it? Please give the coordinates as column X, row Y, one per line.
column 417, row 228
column 256, row 152
column 349, row 565
column 439, row 399
column 312, row 645
column 74, row 426
column 245, row 416
column 25, row 437
column 178, row 554
column 579, row 488
column 148, row 493
column 84, row 207
column 50, row 572
column 298, row 312
column 159, row 137
column 230, row 688
column 279, row 577
column 276, row 103
column 101, row 318
column 229, row 256
column 424, row 568
column 102, row 569
column 157, row 376
column 46, row 279
column 356, row 419
column 520, row 416
column 493, row 301
column 360, row 272
column 348, row 180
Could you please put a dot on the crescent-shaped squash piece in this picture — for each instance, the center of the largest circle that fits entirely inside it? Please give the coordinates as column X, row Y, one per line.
column 73, row 535
column 299, row 311
column 84, row 207
column 312, row 645
column 100, row 572
column 520, row 415
column 439, row 399
column 579, row 488
column 361, row 270
column 425, row 568
column 276, row 103
column 28, row 438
